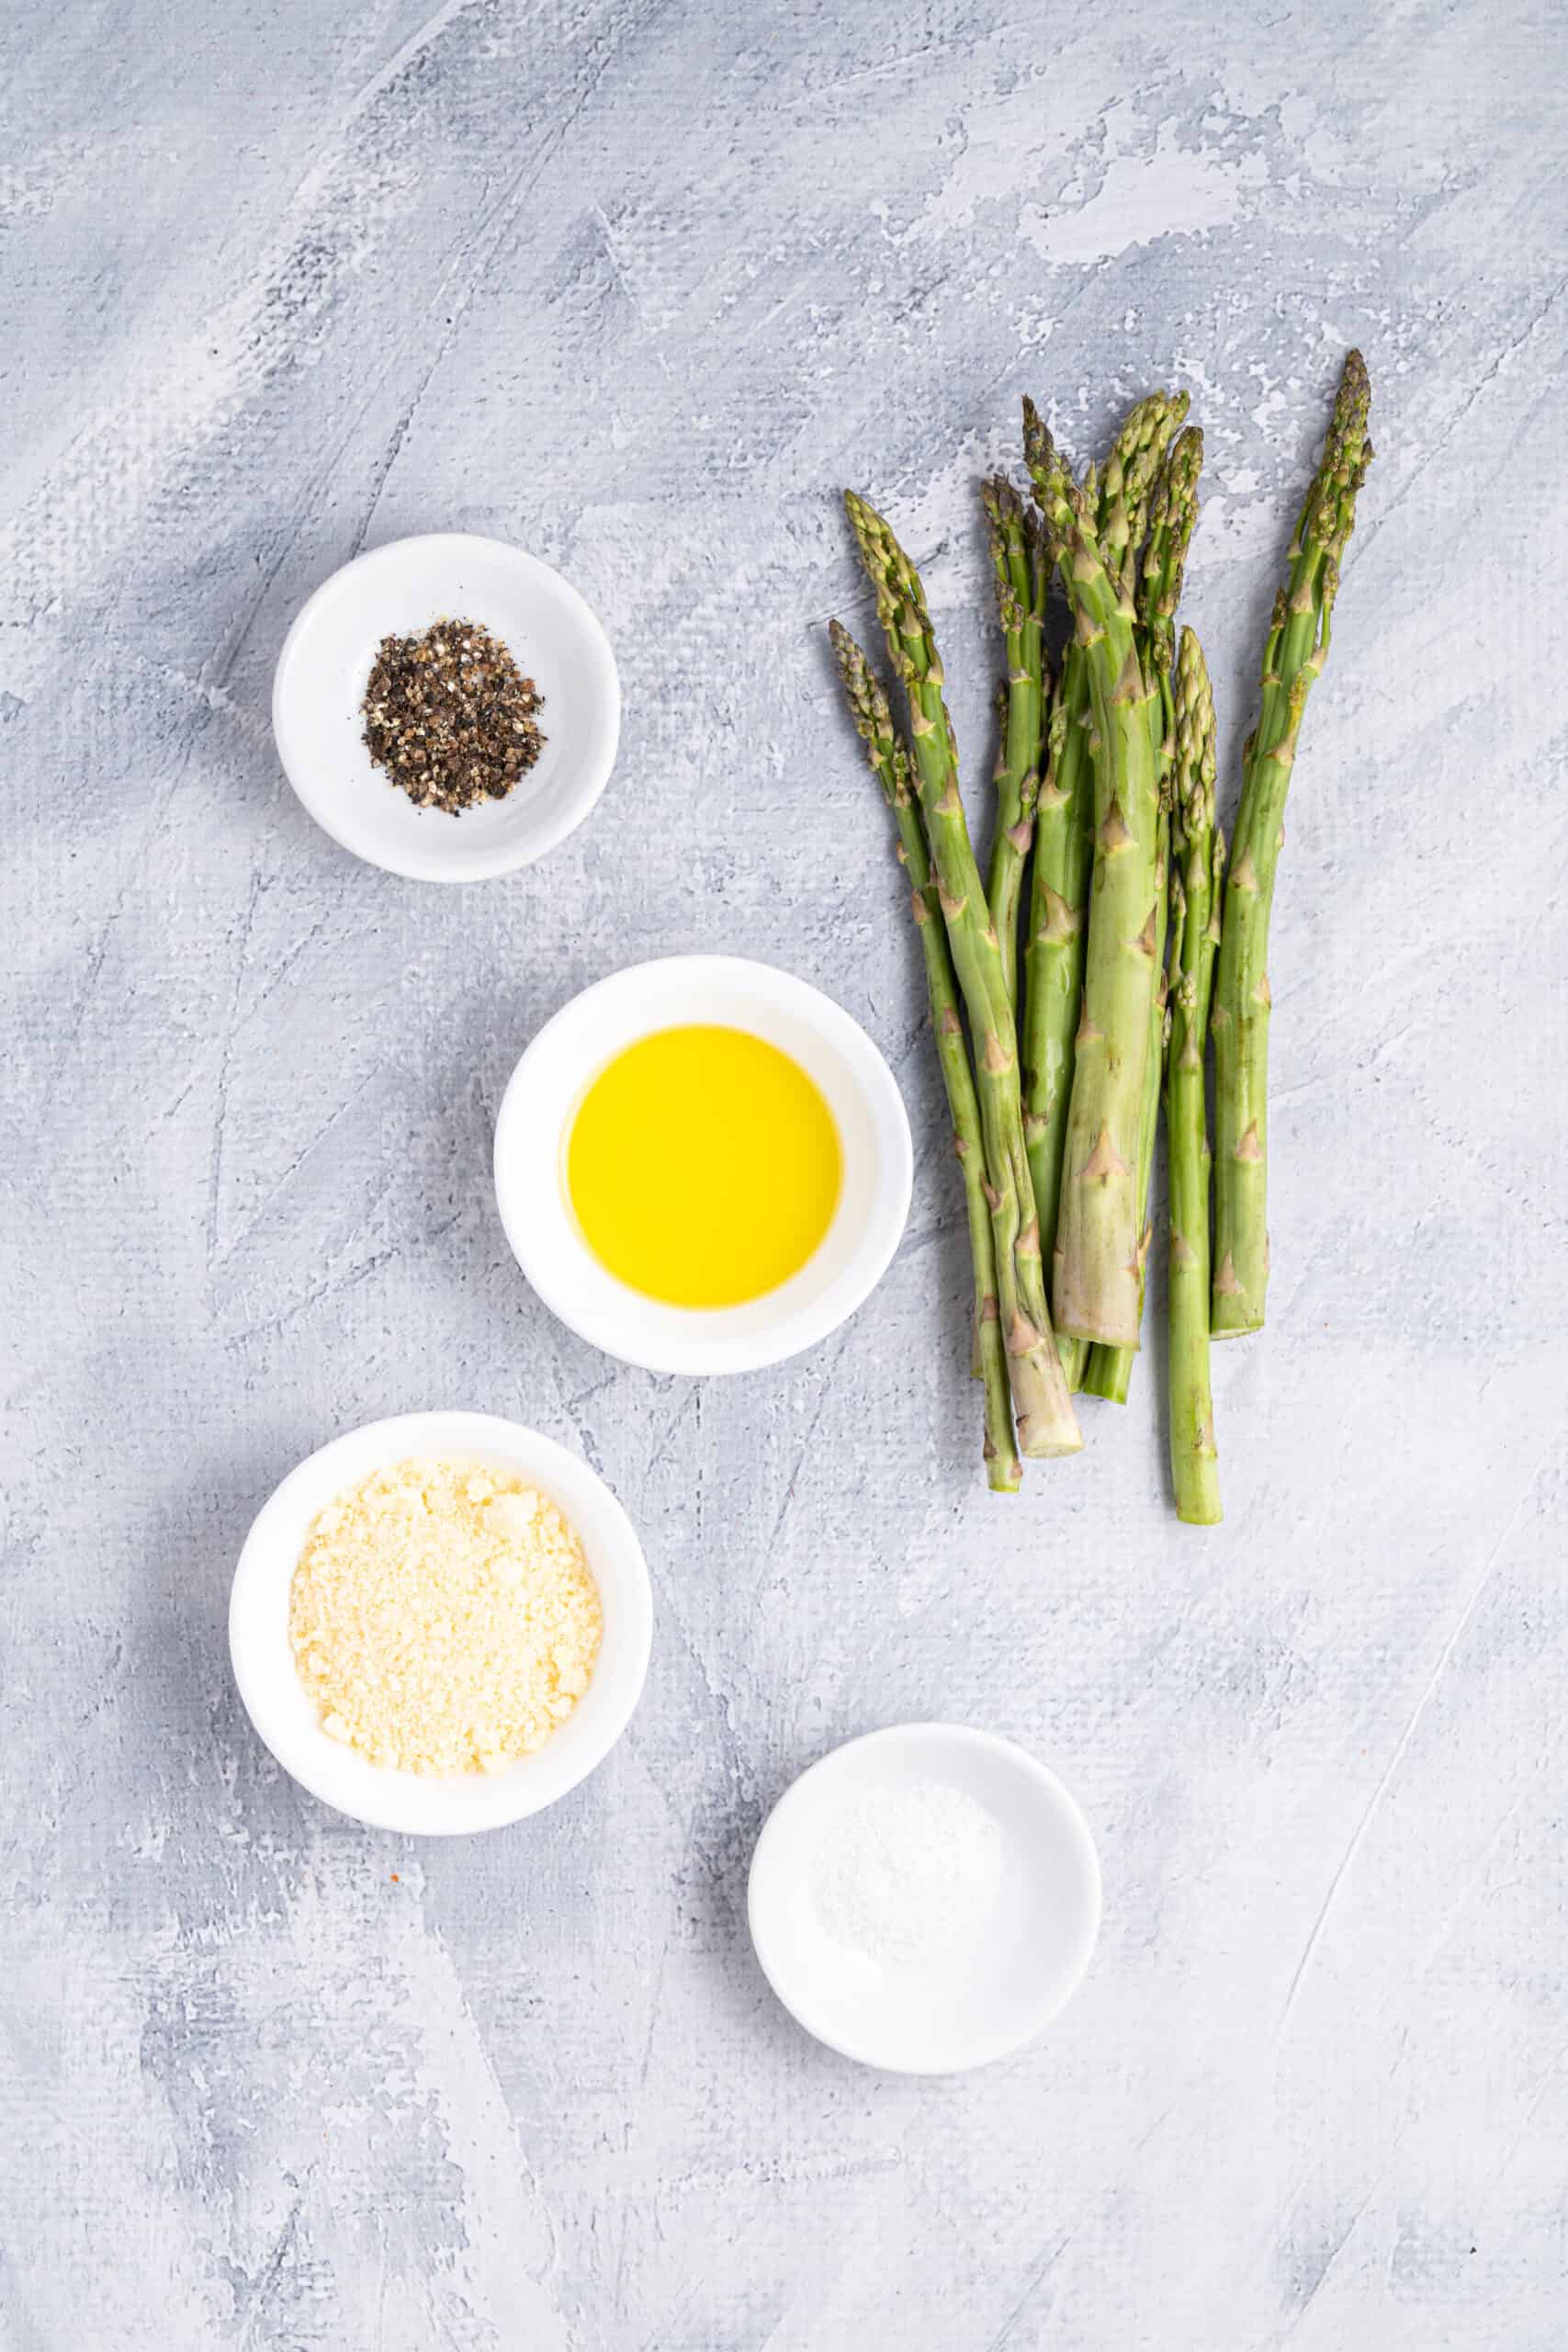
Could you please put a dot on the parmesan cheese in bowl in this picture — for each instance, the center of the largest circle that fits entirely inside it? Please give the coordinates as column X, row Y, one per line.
column 443, row 1617
column 440, row 1623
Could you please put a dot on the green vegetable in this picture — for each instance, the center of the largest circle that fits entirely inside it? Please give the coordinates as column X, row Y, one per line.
column 1053, row 958
column 889, row 761
column 1198, row 853
column 1173, row 515
column 1098, row 1279
column 1047, row 1422
column 1056, row 1052
column 1292, row 659
column 1108, row 1371
column 1022, row 576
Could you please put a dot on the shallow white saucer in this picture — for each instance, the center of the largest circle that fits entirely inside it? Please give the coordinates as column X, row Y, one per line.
column 431, row 1804
column 399, row 590
column 860, row 1091
column 1002, row 1977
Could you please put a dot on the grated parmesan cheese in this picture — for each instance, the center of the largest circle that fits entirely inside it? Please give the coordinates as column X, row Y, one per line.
column 443, row 1618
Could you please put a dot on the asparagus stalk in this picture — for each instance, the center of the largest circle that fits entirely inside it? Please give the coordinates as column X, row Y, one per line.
column 1022, row 578
column 1172, row 515
column 1293, row 657
column 1064, row 849
column 1198, row 853
column 1108, row 1371
column 1122, row 488
column 997, row 783
column 889, row 761
column 1047, row 1422
column 1096, row 1260
column 1053, row 958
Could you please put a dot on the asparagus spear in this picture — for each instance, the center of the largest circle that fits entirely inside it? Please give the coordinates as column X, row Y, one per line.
column 889, row 761
column 1108, row 1371
column 1053, row 958
column 1047, row 1422
column 1172, row 515
column 1064, row 849
column 1096, row 1261
column 1198, row 850
column 1122, row 488
column 1022, row 578
column 1293, row 657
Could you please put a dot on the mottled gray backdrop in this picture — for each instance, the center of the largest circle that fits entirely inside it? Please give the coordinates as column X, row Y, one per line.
column 638, row 287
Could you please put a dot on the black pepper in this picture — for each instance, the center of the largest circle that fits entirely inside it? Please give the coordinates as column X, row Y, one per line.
column 450, row 718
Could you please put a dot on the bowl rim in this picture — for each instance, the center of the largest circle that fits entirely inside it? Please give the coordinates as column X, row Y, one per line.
column 258, row 1604
column 986, row 2049
column 708, row 1346
column 572, row 806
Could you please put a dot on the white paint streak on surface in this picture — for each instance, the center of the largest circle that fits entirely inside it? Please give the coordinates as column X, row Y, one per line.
column 1172, row 192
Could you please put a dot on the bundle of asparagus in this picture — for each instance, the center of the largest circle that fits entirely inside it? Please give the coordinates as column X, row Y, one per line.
column 1106, row 842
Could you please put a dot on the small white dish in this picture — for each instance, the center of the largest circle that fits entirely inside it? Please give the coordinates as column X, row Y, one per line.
column 1004, row 1975
column 431, row 1805
column 400, row 589
column 535, row 1118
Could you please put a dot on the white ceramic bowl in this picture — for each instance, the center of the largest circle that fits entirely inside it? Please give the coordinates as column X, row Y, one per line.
column 535, row 1118
column 429, row 1806
column 1004, row 1977
column 325, row 666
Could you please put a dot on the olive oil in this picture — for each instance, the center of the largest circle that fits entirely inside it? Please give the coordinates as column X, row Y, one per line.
column 702, row 1167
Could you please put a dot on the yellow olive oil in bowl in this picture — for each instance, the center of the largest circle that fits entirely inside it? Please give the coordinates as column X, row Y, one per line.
column 702, row 1166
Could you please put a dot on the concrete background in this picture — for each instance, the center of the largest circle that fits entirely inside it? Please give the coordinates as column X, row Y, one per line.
column 639, row 286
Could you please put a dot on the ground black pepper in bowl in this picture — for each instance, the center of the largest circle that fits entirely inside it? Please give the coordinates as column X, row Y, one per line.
column 450, row 718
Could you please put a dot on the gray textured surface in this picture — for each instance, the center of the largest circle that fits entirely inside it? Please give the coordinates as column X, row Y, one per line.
column 638, row 286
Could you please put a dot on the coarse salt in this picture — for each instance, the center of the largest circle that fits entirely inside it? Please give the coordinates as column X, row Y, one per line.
column 443, row 1618
column 903, row 1875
